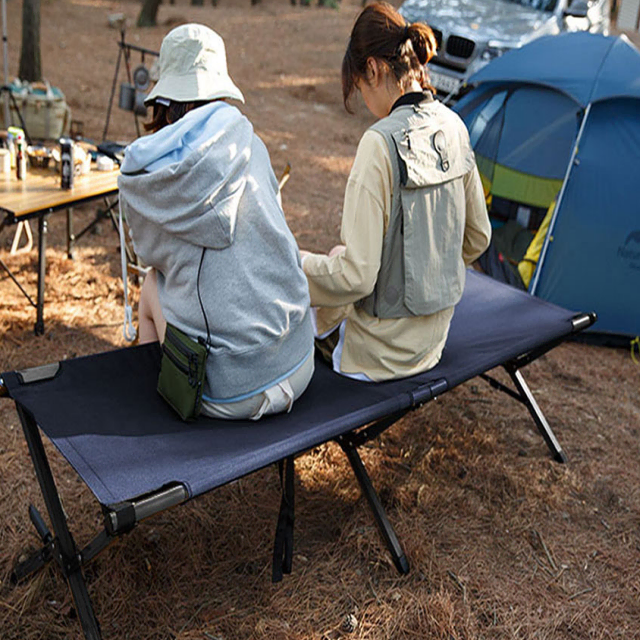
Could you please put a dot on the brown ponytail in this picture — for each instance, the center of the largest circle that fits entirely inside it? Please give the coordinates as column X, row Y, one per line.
column 423, row 41
column 380, row 32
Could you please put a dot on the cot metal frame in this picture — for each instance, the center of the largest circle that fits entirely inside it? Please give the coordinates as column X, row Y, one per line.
column 121, row 518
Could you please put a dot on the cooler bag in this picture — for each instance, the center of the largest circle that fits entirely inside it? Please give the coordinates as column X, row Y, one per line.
column 43, row 109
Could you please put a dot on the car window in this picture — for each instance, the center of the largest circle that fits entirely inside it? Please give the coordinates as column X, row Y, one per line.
column 541, row 5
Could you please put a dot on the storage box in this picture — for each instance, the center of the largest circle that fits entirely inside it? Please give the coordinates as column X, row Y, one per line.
column 43, row 109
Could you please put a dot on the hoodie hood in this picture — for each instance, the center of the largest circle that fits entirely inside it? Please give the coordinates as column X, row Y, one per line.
column 188, row 178
column 206, row 182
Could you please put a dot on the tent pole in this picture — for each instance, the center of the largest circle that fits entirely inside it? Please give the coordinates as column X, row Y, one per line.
column 536, row 276
column 5, row 79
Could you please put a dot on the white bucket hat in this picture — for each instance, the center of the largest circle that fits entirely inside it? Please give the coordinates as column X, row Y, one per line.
column 193, row 66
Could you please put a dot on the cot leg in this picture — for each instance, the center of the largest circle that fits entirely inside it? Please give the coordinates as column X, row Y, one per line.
column 389, row 535
column 283, row 543
column 42, row 557
column 42, row 248
column 536, row 414
column 68, row 555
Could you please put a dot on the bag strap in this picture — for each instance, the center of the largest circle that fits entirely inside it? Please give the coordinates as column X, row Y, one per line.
column 206, row 324
column 128, row 330
column 44, row 86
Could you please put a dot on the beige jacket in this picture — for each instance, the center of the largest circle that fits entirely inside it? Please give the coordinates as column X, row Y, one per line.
column 382, row 348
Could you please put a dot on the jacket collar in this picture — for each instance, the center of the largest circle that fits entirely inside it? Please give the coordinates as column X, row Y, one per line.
column 411, row 98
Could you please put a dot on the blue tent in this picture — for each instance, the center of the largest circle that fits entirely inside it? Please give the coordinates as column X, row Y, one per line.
column 560, row 119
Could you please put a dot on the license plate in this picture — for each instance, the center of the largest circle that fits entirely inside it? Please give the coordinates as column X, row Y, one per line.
column 443, row 83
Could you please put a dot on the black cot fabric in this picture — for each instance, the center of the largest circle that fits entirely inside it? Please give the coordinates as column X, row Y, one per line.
column 105, row 416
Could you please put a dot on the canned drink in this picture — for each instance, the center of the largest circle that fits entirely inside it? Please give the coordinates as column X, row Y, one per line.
column 66, row 163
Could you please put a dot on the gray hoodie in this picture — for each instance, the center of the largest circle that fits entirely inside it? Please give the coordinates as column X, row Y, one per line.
column 207, row 181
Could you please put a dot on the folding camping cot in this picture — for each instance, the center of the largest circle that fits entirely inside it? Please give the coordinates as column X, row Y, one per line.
column 138, row 458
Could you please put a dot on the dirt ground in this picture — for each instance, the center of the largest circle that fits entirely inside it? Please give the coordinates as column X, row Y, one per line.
column 502, row 541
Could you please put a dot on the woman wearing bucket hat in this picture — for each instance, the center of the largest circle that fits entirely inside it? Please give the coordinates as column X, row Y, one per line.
column 202, row 204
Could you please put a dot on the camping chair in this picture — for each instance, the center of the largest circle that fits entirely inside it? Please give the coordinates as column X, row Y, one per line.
column 139, row 459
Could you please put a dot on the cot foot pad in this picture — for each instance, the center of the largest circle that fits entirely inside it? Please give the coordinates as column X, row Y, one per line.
column 561, row 457
column 25, row 568
column 402, row 564
column 35, row 562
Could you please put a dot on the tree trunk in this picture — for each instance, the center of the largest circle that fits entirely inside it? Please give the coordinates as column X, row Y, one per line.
column 148, row 13
column 30, row 61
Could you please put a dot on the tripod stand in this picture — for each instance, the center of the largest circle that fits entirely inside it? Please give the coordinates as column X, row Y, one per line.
column 125, row 50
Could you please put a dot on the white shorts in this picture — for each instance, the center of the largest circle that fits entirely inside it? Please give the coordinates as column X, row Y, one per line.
column 276, row 399
column 336, row 356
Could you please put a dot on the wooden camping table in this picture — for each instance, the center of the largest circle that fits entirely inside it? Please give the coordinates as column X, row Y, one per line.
column 40, row 195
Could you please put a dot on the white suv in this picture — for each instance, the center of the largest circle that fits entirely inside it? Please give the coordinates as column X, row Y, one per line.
column 470, row 33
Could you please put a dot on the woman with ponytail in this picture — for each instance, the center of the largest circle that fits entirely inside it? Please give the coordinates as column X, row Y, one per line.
column 414, row 213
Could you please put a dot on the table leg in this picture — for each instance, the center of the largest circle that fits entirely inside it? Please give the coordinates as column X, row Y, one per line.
column 70, row 237
column 42, row 247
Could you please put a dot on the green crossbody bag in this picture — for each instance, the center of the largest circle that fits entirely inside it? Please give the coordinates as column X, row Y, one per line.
column 184, row 366
column 182, row 372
